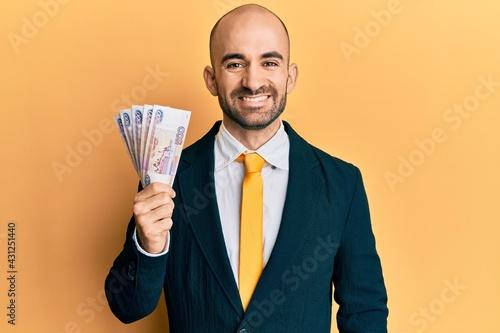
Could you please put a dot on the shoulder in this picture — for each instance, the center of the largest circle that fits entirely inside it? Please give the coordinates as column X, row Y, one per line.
column 342, row 179
column 331, row 166
column 335, row 164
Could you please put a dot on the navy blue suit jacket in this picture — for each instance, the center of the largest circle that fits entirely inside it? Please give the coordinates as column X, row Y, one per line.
column 325, row 237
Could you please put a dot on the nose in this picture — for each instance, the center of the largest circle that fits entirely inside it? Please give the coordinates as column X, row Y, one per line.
column 253, row 78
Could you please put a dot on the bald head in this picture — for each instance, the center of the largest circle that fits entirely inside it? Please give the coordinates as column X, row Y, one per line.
column 246, row 17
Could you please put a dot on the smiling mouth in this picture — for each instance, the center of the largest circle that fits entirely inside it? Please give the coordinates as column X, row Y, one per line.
column 255, row 99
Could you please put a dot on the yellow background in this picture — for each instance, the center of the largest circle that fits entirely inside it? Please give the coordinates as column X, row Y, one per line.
column 375, row 105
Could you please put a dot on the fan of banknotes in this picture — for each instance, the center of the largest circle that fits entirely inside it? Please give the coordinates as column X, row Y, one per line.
column 154, row 136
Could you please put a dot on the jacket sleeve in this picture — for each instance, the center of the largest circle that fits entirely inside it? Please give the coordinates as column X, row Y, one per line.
column 359, row 284
column 135, row 281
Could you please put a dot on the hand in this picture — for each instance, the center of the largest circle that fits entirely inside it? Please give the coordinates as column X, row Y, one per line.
column 153, row 208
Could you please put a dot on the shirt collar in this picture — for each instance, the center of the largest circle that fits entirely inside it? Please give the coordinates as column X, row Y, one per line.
column 275, row 151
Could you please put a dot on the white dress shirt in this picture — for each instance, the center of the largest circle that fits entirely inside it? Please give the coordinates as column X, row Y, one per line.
column 229, row 176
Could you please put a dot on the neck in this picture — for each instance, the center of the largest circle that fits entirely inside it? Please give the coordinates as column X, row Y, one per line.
column 252, row 139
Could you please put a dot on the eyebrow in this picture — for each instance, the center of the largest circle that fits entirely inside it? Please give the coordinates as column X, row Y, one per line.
column 230, row 56
column 267, row 55
column 272, row 54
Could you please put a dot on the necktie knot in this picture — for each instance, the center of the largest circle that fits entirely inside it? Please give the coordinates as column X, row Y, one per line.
column 253, row 162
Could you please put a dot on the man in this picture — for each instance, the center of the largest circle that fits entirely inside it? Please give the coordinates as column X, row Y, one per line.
column 315, row 221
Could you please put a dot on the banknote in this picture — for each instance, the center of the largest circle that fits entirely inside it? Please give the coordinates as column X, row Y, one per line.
column 147, row 116
column 154, row 136
column 121, row 129
column 126, row 117
column 137, row 111
column 166, row 136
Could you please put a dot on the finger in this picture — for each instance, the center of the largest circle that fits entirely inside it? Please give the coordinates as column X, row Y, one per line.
column 163, row 211
column 156, row 229
column 157, row 214
column 154, row 202
column 151, row 226
column 161, row 187
column 153, row 238
column 153, row 189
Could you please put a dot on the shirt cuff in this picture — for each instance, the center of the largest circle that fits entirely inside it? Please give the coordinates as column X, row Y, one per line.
column 141, row 250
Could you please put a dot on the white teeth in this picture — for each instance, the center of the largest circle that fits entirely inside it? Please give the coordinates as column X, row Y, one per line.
column 254, row 99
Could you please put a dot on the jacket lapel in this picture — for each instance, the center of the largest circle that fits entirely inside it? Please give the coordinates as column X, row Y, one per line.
column 197, row 188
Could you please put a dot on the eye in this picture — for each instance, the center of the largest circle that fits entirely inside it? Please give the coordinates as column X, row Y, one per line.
column 271, row 64
column 234, row 65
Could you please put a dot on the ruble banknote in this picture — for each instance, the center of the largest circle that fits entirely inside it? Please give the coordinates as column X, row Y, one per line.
column 154, row 136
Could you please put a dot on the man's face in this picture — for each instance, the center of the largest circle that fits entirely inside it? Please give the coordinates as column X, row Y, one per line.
column 251, row 75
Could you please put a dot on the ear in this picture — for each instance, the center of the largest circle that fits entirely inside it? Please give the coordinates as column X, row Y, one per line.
column 293, row 73
column 210, row 82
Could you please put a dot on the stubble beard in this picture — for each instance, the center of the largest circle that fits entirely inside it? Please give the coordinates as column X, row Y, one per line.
column 266, row 117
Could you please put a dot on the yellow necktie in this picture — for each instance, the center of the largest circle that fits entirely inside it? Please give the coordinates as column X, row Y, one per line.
column 250, row 267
